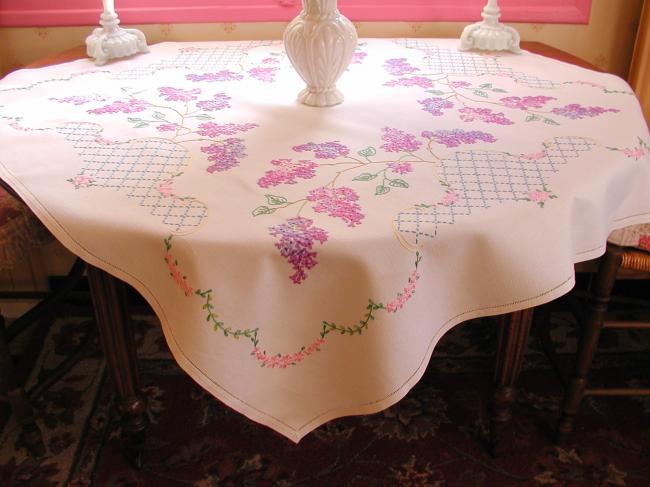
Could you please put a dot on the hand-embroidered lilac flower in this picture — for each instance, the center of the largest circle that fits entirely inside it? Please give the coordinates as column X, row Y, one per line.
column 468, row 114
column 576, row 111
column 130, row 106
column 218, row 102
column 326, row 150
column 79, row 100
column 358, row 57
column 526, row 102
column 338, row 203
column 456, row 137
column 460, row 84
column 270, row 60
column 399, row 67
column 266, row 75
column 214, row 130
column 420, row 81
column 224, row 75
column 297, row 237
column 435, row 105
column 400, row 167
column 287, row 172
column 399, row 141
column 167, row 127
column 178, row 94
column 225, row 154
column 540, row 196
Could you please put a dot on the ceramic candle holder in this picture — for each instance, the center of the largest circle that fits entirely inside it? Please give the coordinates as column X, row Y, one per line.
column 490, row 35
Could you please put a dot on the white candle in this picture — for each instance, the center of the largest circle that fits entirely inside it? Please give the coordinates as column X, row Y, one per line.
column 109, row 6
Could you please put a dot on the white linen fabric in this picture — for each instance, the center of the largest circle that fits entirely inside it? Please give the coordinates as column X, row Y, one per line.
column 304, row 262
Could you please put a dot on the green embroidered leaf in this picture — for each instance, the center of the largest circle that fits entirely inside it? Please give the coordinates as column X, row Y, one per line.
column 485, row 86
column 364, row 176
column 435, row 92
column 204, row 116
column 532, row 118
column 275, row 200
column 381, row 189
column 550, row 121
column 263, row 210
column 141, row 125
column 499, row 90
column 158, row 116
column 481, row 93
column 399, row 183
column 133, row 119
column 367, row 152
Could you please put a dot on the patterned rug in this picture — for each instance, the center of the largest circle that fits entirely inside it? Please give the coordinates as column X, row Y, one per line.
column 433, row 437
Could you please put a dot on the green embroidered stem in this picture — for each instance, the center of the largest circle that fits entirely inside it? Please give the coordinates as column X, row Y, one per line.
column 219, row 325
column 356, row 329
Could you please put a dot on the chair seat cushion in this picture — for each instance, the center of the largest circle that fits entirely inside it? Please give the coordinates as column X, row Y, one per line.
column 20, row 231
column 633, row 236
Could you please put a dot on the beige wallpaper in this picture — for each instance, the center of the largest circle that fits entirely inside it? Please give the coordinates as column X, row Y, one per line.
column 606, row 41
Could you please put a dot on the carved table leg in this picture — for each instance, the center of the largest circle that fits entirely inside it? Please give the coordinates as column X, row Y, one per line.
column 514, row 329
column 116, row 335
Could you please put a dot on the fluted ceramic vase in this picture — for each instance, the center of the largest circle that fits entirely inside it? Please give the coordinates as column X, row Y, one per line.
column 320, row 43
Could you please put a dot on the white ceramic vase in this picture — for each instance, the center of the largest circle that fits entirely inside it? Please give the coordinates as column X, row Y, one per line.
column 320, row 43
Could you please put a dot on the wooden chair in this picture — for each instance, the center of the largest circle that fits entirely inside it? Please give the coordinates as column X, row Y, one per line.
column 627, row 249
column 20, row 231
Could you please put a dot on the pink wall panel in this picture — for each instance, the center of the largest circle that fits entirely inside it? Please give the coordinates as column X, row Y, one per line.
column 37, row 13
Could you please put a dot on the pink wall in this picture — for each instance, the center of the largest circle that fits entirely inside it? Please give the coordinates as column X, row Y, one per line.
column 41, row 13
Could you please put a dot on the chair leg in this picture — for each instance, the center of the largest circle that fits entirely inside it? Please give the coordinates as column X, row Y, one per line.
column 30, row 434
column 597, row 306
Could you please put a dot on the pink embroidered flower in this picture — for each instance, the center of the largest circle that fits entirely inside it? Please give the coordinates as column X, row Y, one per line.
column 589, row 83
column 326, row 150
column 166, row 127
column 78, row 100
column 176, row 274
column 534, row 156
column 270, row 60
column 284, row 361
column 297, row 237
column 449, row 198
column 575, row 111
column 267, row 75
column 468, row 114
column 400, row 167
column 225, row 154
column 358, row 57
column 460, row 84
column 398, row 141
column 435, row 105
column 526, row 102
column 637, row 153
column 165, row 188
column 287, row 172
column 406, row 294
column 81, row 181
column 103, row 141
column 420, row 81
column 540, row 196
column 130, row 106
column 399, row 67
column 214, row 130
column 456, row 137
column 218, row 102
column 338, row 203
column 178, row 94
column 644, row 242
column 224, row 75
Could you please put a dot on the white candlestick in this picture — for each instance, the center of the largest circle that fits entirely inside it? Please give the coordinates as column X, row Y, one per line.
column 490, row 35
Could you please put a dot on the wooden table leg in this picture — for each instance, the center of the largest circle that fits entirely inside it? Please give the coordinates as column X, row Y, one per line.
column 514, row 329
column 116, row 335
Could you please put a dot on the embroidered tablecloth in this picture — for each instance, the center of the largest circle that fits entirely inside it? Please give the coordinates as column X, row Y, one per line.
column 304, row 262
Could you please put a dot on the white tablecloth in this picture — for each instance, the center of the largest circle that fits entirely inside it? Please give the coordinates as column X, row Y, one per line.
column 304, row 262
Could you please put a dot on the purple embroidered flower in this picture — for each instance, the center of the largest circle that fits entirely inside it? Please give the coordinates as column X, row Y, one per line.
column 218, row 102
column 178, row 94
column 400, row 167
column 225, row 155
column 287, row 171
column 435, row 105
column 214, row 130
column 130, row 106
column 526, row 102
column 326, row 150
column 460, row 84
column 486, row 115
column 267, row 75
column 78, row 100
column 166, row 127
column 456, row 137
column 338, row 203
column 576, row 111
column 358, row 57
column 398, row 141
column 225, row 75
column 270, row 60
column 399, row 67
column 420, row 81
column 297, row 237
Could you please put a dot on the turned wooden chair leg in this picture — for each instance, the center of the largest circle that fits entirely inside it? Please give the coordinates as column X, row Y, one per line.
column 599, row 297
column 513, row 333
column 118, row 344
column 30, row 434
